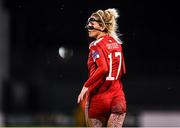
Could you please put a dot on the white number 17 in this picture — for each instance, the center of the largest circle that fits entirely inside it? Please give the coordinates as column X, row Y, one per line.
column 117, row 54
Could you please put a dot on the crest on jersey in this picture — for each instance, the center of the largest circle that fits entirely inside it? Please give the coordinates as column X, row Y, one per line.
column 95, row 55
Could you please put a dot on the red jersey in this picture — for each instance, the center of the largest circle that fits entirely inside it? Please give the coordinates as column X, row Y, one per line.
column 106, row 66
column 105, row 62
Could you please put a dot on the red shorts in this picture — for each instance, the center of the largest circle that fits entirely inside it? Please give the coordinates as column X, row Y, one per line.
column 103, row 104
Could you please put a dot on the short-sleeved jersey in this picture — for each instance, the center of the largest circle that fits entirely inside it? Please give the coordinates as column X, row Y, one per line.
column 105, row 62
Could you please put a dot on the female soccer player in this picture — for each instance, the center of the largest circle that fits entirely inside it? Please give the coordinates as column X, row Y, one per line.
column 105, row 98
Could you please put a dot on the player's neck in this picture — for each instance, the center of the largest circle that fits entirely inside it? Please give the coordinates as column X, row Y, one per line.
column 100, row 35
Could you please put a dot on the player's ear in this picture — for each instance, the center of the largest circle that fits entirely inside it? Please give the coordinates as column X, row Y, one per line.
column 102, row 28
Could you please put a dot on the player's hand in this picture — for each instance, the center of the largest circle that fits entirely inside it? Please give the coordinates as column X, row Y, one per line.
column 81, row 95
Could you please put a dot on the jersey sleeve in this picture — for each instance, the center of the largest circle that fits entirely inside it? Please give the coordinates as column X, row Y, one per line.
column 102, row 68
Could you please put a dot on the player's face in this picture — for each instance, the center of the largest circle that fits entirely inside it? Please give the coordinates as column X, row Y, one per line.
column 93, row 22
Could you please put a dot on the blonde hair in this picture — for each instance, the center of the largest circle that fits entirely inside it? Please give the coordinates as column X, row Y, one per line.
column 109, row 21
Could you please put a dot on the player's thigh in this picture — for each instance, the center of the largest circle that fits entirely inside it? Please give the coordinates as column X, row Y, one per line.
column 92, row 122
column 116, row 120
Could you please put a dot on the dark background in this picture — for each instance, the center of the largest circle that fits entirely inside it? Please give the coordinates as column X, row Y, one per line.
column 38, row 28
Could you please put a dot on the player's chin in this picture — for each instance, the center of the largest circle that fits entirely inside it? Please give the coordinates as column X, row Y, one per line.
column 91, row 34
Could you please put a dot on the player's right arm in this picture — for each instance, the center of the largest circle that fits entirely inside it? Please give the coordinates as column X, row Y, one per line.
column 102, row 68
column 97, row 77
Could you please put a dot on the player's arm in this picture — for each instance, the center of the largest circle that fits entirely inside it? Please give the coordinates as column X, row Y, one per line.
column 97, row 77
column 102, row 68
